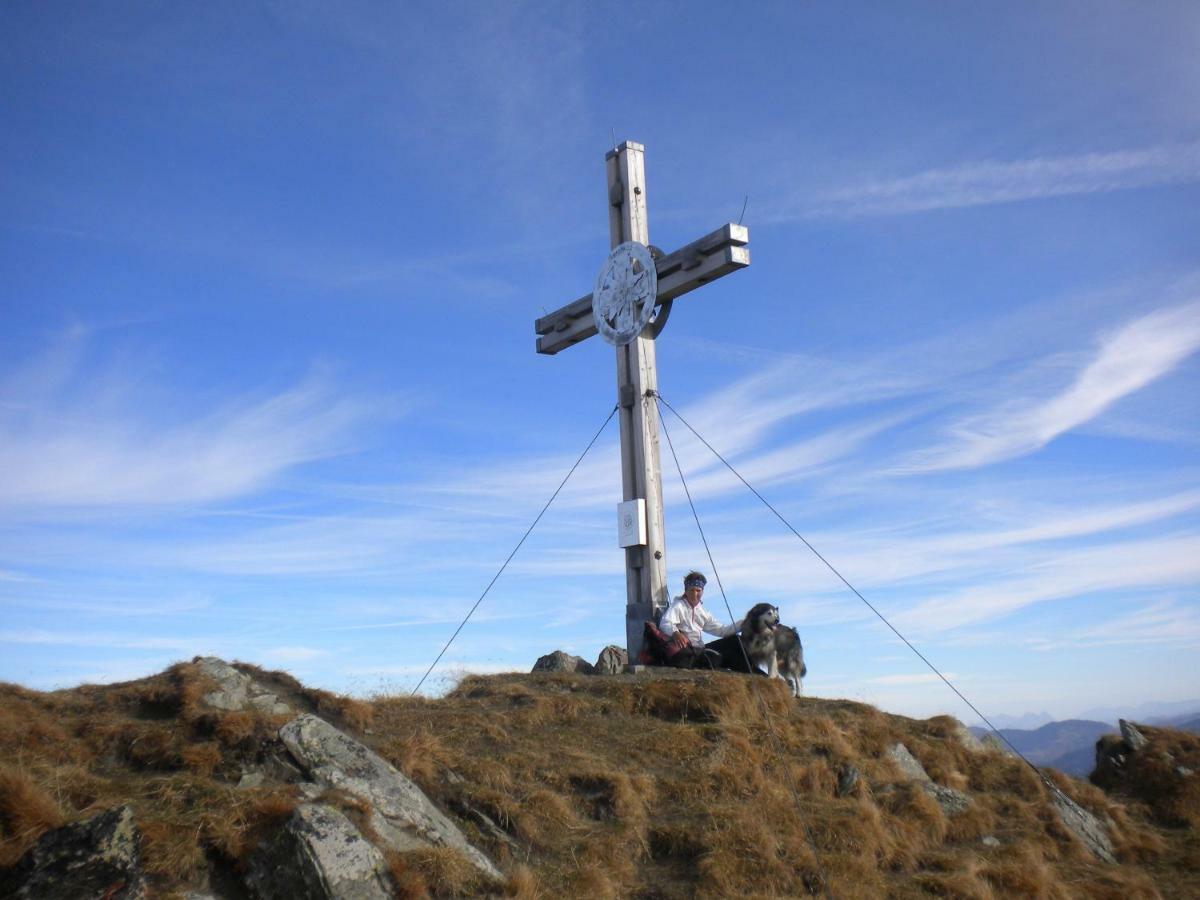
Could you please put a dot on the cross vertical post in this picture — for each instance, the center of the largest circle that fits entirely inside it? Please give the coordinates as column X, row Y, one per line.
column 677, row 273
column 637, row 385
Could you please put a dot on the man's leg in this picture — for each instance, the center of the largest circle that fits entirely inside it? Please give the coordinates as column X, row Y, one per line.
column 733, row 657
column 685, row 658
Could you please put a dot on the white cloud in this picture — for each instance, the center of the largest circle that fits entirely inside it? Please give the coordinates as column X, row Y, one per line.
column 1145, row 564
column 1126, row 360
column 41, row 636
column 990, row 182
column 1156, row 622
column 71, row 442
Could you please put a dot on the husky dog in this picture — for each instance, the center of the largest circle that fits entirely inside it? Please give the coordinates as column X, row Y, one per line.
column 789, row 657
column 753, row 648
column 758, row 637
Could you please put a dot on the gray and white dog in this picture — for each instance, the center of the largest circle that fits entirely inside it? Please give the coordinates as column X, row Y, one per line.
column 758, row 636
column 789, row 657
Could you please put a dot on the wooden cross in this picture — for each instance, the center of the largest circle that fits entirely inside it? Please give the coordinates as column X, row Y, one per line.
column 700, row 262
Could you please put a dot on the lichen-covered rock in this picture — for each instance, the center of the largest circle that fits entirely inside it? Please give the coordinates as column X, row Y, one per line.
column 611, row 661
column 94, row 858
column 964, row 736
column 237, row 690
column 1084, row 825
column 558, row 661
column 993, row 741
column 1134, row 738
column 318, row 855
column 950, row 800
column 401, row 814
column 847, row 780
column 906, row 762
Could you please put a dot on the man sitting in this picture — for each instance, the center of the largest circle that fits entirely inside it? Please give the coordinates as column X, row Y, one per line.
column 683, row 622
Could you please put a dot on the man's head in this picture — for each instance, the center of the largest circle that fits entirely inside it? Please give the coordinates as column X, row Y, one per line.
column 693, row 587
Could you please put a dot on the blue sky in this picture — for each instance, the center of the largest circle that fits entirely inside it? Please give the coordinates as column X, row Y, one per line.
column 268, row 388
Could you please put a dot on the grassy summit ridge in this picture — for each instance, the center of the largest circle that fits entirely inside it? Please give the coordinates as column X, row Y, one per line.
column 606, row 786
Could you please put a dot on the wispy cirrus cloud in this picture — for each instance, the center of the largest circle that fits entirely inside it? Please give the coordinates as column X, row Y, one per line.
column 1128, row 359
column 993, row 181
column 1145, row 564
column 1164, row 621
column 70, row 439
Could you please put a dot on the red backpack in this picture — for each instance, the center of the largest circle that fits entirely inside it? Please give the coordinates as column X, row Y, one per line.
column 657, row 648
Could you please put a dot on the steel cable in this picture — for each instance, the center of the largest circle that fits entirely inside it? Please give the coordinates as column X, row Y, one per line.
column 1041, row 775
column 528, row 531
column 766, row 713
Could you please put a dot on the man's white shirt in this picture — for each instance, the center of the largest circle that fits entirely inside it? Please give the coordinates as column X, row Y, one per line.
column 682, row 616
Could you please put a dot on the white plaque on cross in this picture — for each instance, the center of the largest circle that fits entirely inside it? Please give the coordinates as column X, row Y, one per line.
column 717, row 253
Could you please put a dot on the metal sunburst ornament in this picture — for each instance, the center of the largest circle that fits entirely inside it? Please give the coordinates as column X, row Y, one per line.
column 626, row 288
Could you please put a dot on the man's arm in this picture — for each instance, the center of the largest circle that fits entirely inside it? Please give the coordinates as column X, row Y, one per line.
column 669, row 626
column 712, row 626
column 670, row 620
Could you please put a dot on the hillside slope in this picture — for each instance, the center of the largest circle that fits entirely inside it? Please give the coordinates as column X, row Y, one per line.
column 677, row 785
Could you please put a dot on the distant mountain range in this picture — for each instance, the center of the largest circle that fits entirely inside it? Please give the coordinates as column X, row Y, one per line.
column 1070, row 745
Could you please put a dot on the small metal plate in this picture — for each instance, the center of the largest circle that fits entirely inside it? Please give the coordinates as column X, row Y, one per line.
column 626, row 288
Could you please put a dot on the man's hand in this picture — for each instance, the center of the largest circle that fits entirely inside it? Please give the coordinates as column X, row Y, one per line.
column 680, row 640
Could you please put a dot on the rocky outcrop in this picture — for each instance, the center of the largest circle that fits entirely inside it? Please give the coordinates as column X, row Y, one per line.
column 94, row 858
column 847, row 780
column 611, row 661
column 1084, row 825
column 401, row 814
column 950, row 800
column 558, row 661
column 963, row 735
column 1130, row 734
column 993, row 741
column 318, row 855
column 237, row 690
column 908, row 764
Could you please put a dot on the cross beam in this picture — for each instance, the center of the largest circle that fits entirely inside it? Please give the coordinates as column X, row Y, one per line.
column 707, row 259
column 700, row 262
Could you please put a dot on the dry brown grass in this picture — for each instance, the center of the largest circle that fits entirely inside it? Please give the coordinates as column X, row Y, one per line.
column 603, row 787
column 26, row 812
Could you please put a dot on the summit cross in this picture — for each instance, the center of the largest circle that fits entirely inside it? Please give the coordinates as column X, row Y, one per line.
column 718, row 253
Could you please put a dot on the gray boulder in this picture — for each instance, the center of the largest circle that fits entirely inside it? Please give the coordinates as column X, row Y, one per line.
column 97, row 857
column 318, row 855
column 558, row 661
column 400, row 813
column 950, row 800
column 1083, row 825
column 847, row 780
column 612, row 660
column 906, row 762
column 992, row 741
column 237, row 690
column 963, row 734
column 1134, row 738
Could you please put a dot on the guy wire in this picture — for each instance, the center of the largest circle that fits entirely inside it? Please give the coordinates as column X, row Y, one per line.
column 766, row 713
column 528, row 530
column 1041, row 775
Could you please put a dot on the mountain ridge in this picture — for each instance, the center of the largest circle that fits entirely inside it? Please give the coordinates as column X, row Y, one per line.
column 665, row 784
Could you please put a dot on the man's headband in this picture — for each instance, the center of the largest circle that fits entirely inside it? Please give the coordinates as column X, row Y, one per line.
column 695, row 581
